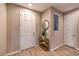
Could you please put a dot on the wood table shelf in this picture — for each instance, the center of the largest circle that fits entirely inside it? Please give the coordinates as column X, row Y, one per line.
column 44, row 43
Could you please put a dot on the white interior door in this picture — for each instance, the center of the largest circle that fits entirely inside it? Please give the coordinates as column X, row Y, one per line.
column 27, row 29
column 70, row 29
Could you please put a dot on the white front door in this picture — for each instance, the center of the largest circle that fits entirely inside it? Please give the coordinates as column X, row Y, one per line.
column 70, row 29
column 27, row 29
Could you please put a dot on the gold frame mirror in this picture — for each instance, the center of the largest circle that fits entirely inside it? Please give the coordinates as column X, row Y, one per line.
column 45, row 24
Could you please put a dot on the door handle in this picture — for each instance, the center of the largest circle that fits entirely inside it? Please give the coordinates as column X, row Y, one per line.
column 73, row 35
column 33, row 33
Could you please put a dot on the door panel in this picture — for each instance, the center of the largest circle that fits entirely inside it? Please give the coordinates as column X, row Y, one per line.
column 27, row 21
column 70, row 29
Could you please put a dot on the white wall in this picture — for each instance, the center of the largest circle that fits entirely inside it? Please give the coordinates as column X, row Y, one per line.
column 3, row 29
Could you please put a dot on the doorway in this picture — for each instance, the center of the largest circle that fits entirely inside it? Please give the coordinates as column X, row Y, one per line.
column 70, row 29
column 27, row 29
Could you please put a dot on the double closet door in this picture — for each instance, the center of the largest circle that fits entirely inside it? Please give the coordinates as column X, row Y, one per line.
column 27, row 29
column 70, row 28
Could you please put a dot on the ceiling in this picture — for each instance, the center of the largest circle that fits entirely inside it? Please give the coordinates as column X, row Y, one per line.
column 64, row 7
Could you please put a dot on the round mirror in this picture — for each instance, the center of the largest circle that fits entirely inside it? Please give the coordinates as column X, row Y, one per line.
column 45, row 24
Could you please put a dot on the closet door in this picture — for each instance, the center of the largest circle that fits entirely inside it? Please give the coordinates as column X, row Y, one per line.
column 70, row 29
column 27, row 29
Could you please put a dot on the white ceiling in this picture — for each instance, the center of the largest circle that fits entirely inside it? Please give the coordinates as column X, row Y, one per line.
column 64, row 7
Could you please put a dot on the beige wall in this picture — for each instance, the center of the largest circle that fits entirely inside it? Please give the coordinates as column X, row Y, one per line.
column 78, row 29
column 14, row 26
column 46, row 15
column 3, row 28
column 38, row 27
column 55, row 38
column 13, row 30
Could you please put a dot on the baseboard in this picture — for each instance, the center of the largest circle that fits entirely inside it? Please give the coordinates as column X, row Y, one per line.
column 56, row 47
column 77, row 48
column 12, row 53
column 17, row 51
column 72, row 47
column 37, row 45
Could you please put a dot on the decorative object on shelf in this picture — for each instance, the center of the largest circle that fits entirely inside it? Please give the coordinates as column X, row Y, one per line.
column 44, row 41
